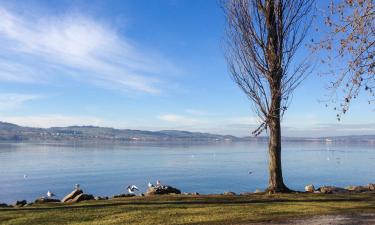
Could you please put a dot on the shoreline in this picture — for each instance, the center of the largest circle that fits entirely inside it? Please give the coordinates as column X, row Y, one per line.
column 78, row 195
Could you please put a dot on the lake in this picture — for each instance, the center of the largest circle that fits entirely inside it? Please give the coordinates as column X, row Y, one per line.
column 106, row 170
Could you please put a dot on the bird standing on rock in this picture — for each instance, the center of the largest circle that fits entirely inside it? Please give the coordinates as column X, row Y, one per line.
column 158, row 184
column 77, row 186
column 132, row 189
column 50, row 194
column 150, row 185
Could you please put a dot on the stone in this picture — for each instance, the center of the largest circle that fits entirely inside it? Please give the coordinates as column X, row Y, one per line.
column 124, row 196
column 82, row 197
column 357, row 188
column 100, row 198
column 162, row 190
column 190, row 193
column 72, row 195
column 46, row 200
column 20, row 203
column 258, row 191
column 229, row 193
column 4, row 205
column 310, row 188
column 331, row 189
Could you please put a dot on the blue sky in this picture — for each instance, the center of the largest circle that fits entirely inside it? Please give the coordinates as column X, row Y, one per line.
column 141, row 65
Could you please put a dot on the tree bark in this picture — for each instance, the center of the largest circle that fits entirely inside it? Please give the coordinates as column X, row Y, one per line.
column 275, row 182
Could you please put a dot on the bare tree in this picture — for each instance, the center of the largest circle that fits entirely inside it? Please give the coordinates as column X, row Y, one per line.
column 262, row 40
column 350, row 47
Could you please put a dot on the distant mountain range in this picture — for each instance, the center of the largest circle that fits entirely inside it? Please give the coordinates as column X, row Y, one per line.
column 13, row 132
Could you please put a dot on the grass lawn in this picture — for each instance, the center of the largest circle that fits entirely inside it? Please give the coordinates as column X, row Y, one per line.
column 211, row 209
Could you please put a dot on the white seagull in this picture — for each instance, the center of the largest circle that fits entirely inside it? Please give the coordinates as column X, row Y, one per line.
column 50, row 194
column 158, row 184
column 76, row 186
column 132, row 188
column 24, row 176
column 150, row 185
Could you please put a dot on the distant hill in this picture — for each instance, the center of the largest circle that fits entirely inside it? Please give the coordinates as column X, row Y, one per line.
column 13, row 132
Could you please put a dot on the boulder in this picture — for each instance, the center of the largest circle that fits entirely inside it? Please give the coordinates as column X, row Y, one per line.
column 229, row 193
column 124, row 196
column 4, row 205
column 46, row 200
column 190, row 193
column 72, row 195
column 357, row 188
column 20, row 203
column 331, row 189
column 82, row 197
column 100, row 198
column 162, row 190
column 310, row 188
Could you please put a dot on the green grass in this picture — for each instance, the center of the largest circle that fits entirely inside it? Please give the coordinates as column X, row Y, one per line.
column 178, row 209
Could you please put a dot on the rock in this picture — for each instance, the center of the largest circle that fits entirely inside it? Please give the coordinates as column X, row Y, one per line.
column 124, row 196
column 331, row 189
column 258, row 191
column 371, row 187
column 20, row 203
column 162, row 190
column 100, row 198
column 46, row 200
column 82, row 197
column 4, row 205
column 72, row 195
column 229, row 193
column 357, row 188
column 310, row 188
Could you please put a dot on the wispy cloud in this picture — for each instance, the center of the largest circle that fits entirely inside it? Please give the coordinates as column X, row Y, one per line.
column 12, row 100
column 196, row 112
column 179, row 120
column 52, row 120
column 35, row 48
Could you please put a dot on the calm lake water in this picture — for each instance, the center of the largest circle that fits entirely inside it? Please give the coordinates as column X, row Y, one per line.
column 212, row 168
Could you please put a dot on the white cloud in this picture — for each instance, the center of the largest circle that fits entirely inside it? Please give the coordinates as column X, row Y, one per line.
column 13, row 100
column 52, row 120
column 33, row 49
column 179, row 119
column 244, row 120
column 196, row 112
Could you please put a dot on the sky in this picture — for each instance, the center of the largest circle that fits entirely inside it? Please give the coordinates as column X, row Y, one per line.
column 149, row 65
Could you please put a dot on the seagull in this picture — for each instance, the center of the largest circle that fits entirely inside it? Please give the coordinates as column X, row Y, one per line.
column 76, row 186
column 24, row 176
column 132, row 188
column 158, row 184
column 50, row 194
column 150, row 185
column 250, row 172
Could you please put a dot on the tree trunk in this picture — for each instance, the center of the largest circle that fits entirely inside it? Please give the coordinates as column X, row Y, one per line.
column 275, row 182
